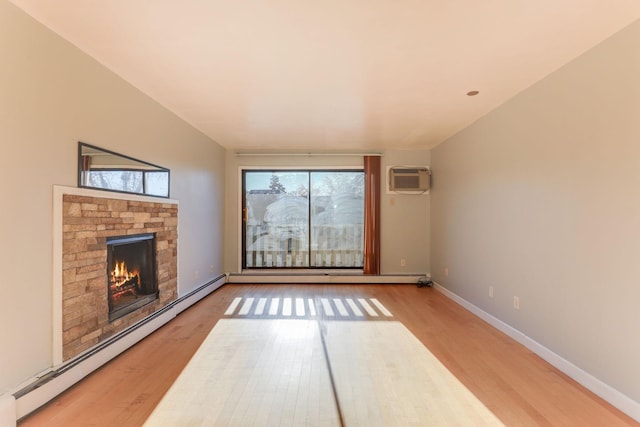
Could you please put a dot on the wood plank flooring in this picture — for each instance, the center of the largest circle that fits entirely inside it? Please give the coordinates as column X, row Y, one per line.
column 253, row 372
column 515, row 385
column 386, row 377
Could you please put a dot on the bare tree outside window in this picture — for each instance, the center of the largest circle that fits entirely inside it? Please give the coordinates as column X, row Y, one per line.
column 117, row 180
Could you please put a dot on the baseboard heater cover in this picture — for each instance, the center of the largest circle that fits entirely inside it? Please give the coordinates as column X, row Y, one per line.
column 47, row 386
column 7, row 410
column 319, row 278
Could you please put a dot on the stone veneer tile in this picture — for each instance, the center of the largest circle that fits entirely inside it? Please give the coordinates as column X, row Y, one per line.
column 87, row 223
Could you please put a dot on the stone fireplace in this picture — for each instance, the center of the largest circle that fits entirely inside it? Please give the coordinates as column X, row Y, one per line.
column 104, row 234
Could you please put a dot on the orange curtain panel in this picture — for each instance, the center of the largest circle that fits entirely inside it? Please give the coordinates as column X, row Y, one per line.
column 372, row 176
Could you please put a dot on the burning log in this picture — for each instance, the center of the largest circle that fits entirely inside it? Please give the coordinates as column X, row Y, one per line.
column 127, row 284
column 124, row 281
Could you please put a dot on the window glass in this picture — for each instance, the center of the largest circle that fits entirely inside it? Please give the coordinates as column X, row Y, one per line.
column 156, row 183
column 303, row 219
column 277, row 219
column 117, row 180
column 337, row 219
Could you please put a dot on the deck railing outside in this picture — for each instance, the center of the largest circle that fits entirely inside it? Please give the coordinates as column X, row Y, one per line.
column 332, row 246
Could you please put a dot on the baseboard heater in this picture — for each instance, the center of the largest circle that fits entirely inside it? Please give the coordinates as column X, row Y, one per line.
column 47, row 386
column 252, row 276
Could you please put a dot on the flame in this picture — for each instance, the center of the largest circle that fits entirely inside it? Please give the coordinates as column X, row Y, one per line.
column 121, row 276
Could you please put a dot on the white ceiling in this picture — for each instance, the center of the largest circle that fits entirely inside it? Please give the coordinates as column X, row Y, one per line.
column 332, row 74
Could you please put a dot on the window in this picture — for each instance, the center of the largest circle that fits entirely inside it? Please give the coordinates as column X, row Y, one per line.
column 303, row 219
column 107, row 170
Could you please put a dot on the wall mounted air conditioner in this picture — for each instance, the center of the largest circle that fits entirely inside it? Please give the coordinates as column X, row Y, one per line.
column 409, row 179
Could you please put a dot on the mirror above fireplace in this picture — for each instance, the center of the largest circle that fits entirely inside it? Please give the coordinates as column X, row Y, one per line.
column 106, row 170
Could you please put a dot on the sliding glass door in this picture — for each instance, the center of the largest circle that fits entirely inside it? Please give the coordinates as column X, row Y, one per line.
column 303, row 219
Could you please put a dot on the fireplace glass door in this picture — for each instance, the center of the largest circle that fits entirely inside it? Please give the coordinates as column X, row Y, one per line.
column 131, row 273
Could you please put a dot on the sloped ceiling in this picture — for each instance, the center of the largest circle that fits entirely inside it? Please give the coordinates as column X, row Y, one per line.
column 344, row 75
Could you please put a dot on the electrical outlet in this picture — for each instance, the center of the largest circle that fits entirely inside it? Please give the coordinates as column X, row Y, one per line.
column 403, row 262
column 516, row 303
column 490, row 291
column 446, row 272
column 196, row 275
column 211, row 268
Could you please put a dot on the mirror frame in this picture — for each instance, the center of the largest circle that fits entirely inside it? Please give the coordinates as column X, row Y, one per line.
column 130, row 163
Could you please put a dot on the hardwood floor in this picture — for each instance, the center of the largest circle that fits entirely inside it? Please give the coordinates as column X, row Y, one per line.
column 513, row 383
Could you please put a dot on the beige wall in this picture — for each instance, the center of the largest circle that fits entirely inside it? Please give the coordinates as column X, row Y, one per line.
column 52, row 96
column 539, row 199
column 404, row 229
column 405, row 220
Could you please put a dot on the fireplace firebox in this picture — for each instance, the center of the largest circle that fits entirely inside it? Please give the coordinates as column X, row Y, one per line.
column 131, row 273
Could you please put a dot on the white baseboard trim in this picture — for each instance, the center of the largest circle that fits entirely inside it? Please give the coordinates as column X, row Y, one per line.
column 42, row 389
column 598, row 387
column 328, row 278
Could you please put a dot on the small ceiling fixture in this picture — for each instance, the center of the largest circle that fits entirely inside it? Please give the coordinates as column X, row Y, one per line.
column 472, row 93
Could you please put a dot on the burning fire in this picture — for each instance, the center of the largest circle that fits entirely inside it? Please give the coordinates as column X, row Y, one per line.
column 123, row 280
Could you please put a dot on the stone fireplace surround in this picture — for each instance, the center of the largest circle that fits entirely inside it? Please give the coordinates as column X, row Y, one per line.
column 87, row 218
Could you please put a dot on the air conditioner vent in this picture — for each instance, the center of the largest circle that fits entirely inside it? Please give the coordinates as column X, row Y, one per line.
column 409, row 179
column 406, row 171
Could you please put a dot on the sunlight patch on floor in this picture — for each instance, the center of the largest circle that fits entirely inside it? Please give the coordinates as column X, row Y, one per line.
column 274, row 372
column 385, row 377
column 287, row 307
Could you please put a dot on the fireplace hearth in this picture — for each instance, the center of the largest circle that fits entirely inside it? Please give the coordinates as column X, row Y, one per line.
column 131, row 273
